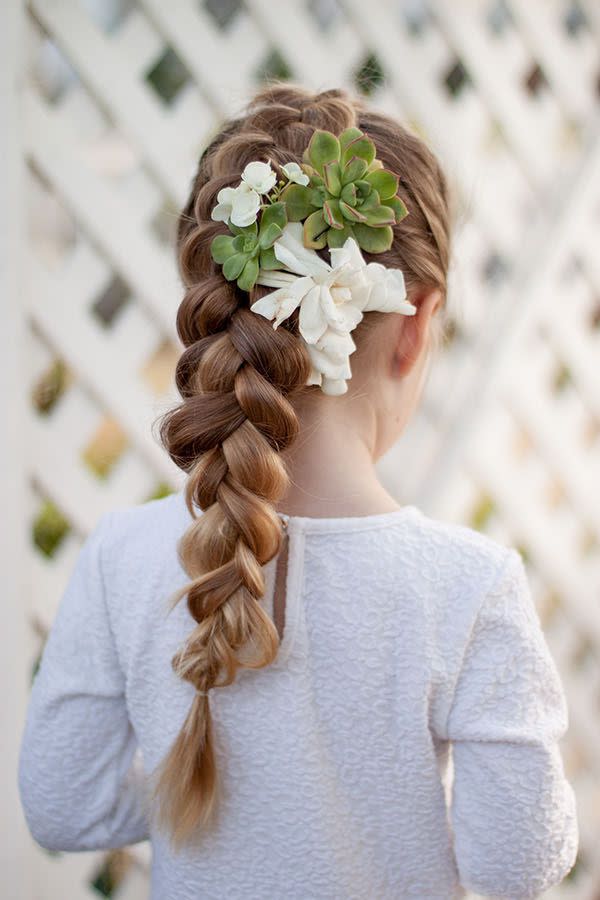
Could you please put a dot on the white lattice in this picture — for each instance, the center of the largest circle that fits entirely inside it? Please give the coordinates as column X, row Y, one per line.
column 117, row 99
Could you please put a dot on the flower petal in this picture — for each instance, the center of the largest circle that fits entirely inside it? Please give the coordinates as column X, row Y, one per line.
column 388, row 290
column 337, row 346
column 275, row 278
column 348, row 317
column 286, row 308
column 266, row 306
column 281, row 303
column 293, row 172
column 331, row 368
column 314, row 377
column 290, row 250
column 334, row 386
column 221, row 212
column 312, row 322
column 328, row 307
column 226, row 195
column 245, row 206
column 259, row 176
column 348, row 253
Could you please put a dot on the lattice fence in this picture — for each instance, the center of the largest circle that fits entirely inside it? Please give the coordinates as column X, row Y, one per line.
column 117, row 99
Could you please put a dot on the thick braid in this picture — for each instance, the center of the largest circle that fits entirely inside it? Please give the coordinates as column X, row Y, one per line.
column 238, row 378
column 235, row 377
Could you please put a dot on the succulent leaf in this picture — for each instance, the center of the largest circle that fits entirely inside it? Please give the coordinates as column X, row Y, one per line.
column 351, row 213
column 318, row 196
column 381, row 215
column 249, row 275
column 309, row 170
column 373, row 240
column 332, row 179
column 363, row 147
column 338, row 237
column 222, row 248
column 275, row 214
column 384, row 182
column 350, row 134
column 269, row 235
column 398, row 206
column 268, row 260
column 348, row 194
column 354, row 169
column 315, row 228
column 246, row 229
column 323, row 148
column 234, row 265
column 363, row 188
column 297, row 199
column 245, row 243
column 332, row 214
column 371, row 201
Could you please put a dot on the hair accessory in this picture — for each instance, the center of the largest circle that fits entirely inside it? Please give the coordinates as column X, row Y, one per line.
column 340, row 198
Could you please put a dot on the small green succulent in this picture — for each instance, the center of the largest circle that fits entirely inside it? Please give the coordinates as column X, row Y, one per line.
column 349, row 194
column 251, row 246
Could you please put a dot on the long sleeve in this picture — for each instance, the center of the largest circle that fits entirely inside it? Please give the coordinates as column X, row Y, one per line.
column 79, row 776
column 513, row 811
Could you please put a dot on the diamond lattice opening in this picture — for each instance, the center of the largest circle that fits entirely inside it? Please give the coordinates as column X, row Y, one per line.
column 168, row 76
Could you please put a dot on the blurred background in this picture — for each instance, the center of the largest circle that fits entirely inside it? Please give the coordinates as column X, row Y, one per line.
column 106, row 106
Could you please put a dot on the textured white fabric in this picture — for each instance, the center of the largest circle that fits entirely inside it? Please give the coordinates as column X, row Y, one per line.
column 405, row 638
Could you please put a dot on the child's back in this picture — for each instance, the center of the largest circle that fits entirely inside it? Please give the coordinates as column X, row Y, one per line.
column 403, row 637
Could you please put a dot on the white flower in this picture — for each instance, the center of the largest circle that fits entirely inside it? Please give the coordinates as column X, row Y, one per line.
column 293, row 172
column 377, row 287
column 330, row 361
column 259, row 176
column 239, row 205
column 323, row 293
column 332, row 300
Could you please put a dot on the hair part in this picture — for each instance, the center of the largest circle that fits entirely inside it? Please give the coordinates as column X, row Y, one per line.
column 238, row 378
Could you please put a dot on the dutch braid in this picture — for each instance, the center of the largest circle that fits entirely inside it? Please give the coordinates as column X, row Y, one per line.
column 237, row 378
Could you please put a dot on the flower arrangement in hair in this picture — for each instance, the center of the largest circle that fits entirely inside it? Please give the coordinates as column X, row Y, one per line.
column 342, row 198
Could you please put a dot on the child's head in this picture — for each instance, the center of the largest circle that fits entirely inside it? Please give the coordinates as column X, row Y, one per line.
column 391, row 349
column 243, row 384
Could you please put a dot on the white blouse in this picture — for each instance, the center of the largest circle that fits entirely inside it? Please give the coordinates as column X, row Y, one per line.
column 409, row 644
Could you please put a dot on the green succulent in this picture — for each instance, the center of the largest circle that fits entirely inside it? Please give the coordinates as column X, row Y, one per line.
column 350, row 194
column 251, row 247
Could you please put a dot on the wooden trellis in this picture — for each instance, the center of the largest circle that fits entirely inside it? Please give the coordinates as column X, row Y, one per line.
column 116, row 99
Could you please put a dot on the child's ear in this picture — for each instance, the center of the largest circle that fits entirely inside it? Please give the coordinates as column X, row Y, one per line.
column 414, row 331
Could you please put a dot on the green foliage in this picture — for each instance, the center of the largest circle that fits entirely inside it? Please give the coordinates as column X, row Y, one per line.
column 49, row 528
column 349, row 194
column 250, row 248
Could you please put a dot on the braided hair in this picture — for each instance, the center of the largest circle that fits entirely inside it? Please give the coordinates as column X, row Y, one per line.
column 238, row 378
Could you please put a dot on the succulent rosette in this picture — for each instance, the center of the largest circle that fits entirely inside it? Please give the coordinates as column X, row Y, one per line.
column 349, row 194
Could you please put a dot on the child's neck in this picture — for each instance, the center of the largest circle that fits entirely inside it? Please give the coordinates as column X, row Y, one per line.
column 331, row 467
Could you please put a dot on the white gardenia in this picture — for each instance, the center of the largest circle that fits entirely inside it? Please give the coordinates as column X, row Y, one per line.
column 293, row 172
column 332, row 300
column 239, row 205
column 259, row 176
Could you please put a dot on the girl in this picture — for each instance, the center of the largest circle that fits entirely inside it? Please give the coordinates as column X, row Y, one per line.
column 341, row 661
